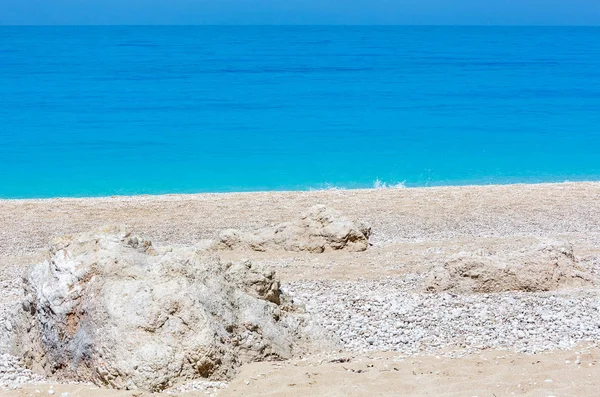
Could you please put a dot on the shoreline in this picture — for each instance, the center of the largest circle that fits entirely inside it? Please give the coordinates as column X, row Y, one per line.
column 396, row 215
column 127, row 197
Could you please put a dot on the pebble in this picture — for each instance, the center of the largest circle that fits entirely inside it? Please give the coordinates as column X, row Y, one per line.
column 393, row 315
column 13, row 373
column 205, row 386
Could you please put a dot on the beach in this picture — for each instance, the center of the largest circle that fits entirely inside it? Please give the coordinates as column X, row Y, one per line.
column 395, row 335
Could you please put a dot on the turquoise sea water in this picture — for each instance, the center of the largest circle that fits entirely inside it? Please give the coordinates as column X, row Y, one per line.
column 87, row 111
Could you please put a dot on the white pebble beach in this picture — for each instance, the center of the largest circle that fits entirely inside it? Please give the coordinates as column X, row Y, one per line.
column 395, row 338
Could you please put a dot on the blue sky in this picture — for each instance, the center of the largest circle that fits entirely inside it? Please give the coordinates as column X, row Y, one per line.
column 453, row 12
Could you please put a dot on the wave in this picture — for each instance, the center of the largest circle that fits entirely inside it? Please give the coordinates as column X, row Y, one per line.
column 379, row 184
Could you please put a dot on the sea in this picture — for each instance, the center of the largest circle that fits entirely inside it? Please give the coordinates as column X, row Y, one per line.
column 126, row 110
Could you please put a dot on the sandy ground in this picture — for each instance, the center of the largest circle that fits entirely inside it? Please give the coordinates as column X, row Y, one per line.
column 564, row 373
column 405, row 222
column 488, row 374
column 412, row 228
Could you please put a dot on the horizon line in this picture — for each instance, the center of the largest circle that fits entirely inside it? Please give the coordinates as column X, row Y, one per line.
column 303, row 25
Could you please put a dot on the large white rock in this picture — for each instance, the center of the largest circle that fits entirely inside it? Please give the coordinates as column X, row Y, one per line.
column 110, row 308
column 318, row 230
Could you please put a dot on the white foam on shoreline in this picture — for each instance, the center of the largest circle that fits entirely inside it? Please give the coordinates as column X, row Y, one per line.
column 379, row 184
column 326, row 188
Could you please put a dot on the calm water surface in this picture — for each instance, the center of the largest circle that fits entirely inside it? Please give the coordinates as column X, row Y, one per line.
column 88, row 111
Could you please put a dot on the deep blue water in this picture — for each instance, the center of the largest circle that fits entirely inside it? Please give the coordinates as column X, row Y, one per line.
column 128, row 110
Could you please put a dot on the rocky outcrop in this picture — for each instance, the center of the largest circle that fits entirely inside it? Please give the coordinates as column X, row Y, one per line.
column 318, row 230
column 547, row 267
column 111, row 308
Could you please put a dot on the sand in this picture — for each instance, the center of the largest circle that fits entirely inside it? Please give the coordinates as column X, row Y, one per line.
column 412, row 229
column 489, row 374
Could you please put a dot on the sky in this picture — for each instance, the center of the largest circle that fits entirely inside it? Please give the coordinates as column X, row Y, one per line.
column 304, row 12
